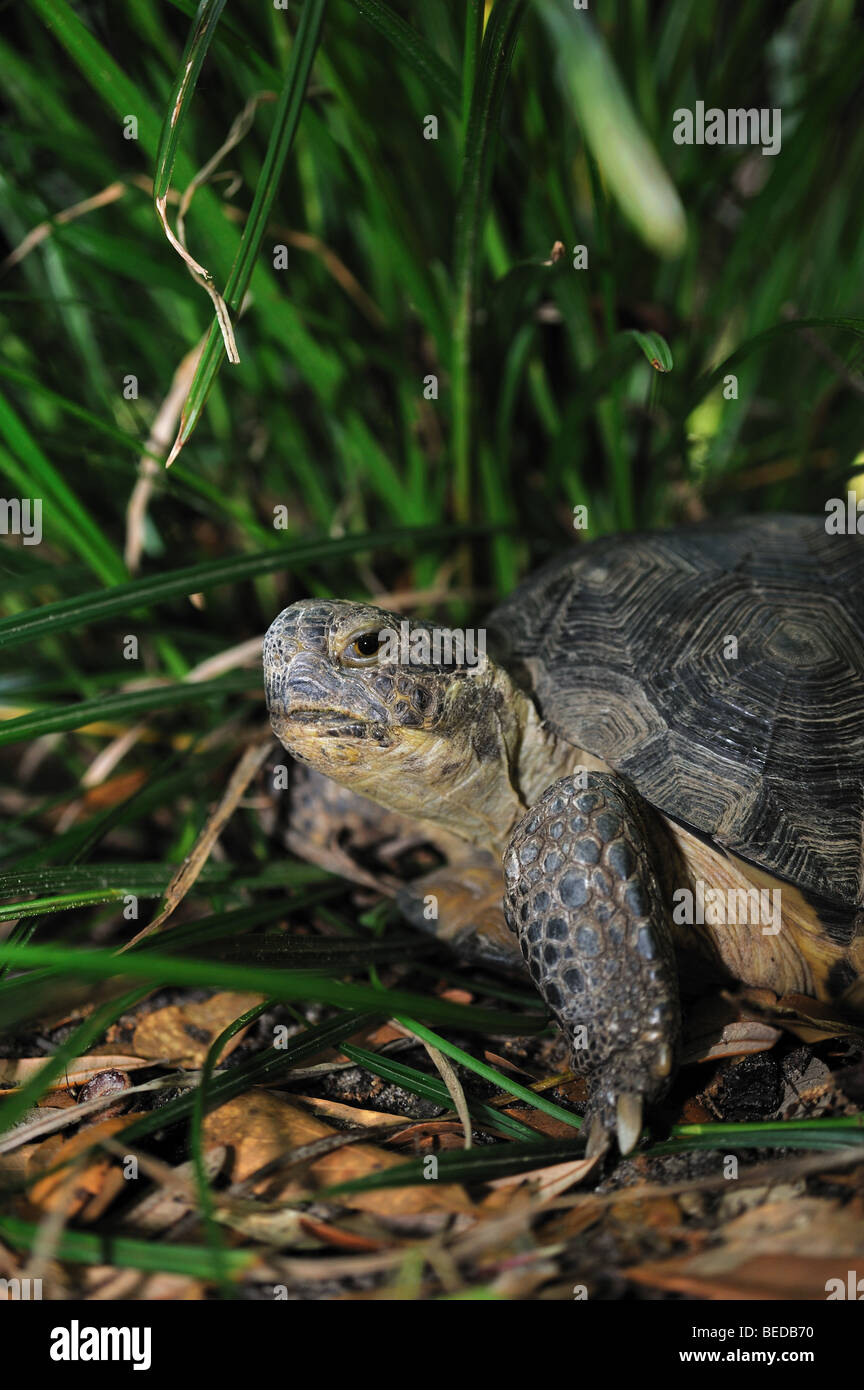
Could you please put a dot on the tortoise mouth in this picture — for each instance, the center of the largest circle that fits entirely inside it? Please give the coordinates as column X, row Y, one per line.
column 327, row 721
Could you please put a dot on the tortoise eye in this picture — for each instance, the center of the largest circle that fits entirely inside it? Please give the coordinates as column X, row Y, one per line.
column 364, row 648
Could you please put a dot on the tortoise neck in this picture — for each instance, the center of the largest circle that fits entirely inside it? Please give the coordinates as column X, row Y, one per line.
column 477, row 793
column 496, row 760
column 541, row 758
column 530, row 757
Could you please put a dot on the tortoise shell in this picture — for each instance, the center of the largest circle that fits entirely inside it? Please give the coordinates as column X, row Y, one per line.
column 720, row 669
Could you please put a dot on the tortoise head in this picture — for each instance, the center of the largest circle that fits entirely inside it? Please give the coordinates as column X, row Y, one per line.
column 395, row 711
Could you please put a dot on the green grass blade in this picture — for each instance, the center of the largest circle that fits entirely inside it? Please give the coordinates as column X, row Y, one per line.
column 105, row 76
column 215, row 1235
column 474, row 20
column 268, row 1067
column 126, row 1252
column 177, row 109
column 496, row 54
column 497, row 1078
column 433, row 1089
column 612, row 130
column 284, row 985
column 655, row 349
column 151, row 879
column 157, row 588
column 17, row 999
column 325, row 953
column 64, row 903
column 33, row 473
column 478, row 1165
column 125, row 705
column 507, row 1160
column 710, row 379
column 436, row 75
column 841, row 1132
column 285, row 126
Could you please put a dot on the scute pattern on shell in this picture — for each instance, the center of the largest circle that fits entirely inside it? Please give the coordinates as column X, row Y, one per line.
column 623, row 642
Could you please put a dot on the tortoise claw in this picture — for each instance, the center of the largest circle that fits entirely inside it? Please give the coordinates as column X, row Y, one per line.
column 628, row 1121
column 598, row 1138
column 620, row 1117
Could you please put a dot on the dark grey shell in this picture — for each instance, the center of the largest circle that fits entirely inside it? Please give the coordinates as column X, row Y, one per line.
column 624, row 643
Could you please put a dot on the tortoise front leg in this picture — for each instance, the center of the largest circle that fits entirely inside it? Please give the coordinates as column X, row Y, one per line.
column 584, row 900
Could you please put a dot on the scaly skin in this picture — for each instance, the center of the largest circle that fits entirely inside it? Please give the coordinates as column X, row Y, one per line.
column 583, row 898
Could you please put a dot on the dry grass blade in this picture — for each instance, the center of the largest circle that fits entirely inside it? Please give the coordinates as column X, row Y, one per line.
column 203, row 32
column 26, row 1133
column 191, row 868
column 37, row 234
column 244, row 654
column 448, row 1076
column 287, row 119
column 158, row 443
column 205, row 280
column 240, row 127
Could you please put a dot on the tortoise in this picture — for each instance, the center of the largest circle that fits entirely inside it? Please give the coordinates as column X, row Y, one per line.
column 663, row 750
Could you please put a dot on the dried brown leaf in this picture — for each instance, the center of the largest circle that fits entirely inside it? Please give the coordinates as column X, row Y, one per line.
column 260, row 1127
